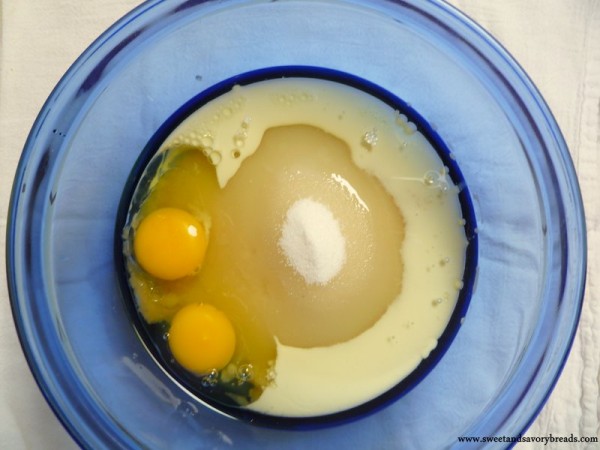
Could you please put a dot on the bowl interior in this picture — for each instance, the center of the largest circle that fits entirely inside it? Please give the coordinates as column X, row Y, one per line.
column 145, row 169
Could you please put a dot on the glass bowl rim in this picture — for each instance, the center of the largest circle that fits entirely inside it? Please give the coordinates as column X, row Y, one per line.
column 106, row 39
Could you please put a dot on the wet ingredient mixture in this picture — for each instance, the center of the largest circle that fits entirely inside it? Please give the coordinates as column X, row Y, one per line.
column 300, row 243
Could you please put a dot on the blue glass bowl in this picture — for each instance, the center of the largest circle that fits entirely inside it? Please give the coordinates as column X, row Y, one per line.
column 68, row 308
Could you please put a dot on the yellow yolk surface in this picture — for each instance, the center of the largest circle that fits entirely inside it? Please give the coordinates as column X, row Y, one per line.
column 201, row 338
column 190, row 184
column 170, row 243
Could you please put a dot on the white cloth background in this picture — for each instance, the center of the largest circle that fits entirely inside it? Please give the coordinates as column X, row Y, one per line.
column 556, row 41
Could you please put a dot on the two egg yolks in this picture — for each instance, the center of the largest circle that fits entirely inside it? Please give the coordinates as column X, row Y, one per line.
column 169, row 244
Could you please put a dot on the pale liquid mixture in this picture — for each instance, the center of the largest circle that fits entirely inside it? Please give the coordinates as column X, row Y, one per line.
column 318, row 349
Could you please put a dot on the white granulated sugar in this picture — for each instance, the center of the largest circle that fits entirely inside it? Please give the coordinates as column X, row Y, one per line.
column 312, row 241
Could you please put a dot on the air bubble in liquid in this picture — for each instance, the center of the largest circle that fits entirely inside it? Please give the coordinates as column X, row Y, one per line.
column 369, row 139
column 239, row 139
column 211, row 379
column 401, row 119
column 430, row 178
column 206, row 140
column 245, row 373
column 403, row 122
column 215, row 157
column 436, row 180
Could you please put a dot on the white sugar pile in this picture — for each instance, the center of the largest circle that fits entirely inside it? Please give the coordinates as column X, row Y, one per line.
column 312, row 241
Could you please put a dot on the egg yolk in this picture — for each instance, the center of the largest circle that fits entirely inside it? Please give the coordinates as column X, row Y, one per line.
column 201, row 338
column 170, row 243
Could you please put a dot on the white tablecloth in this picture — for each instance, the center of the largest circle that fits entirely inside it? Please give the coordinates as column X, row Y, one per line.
column 556, row 41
